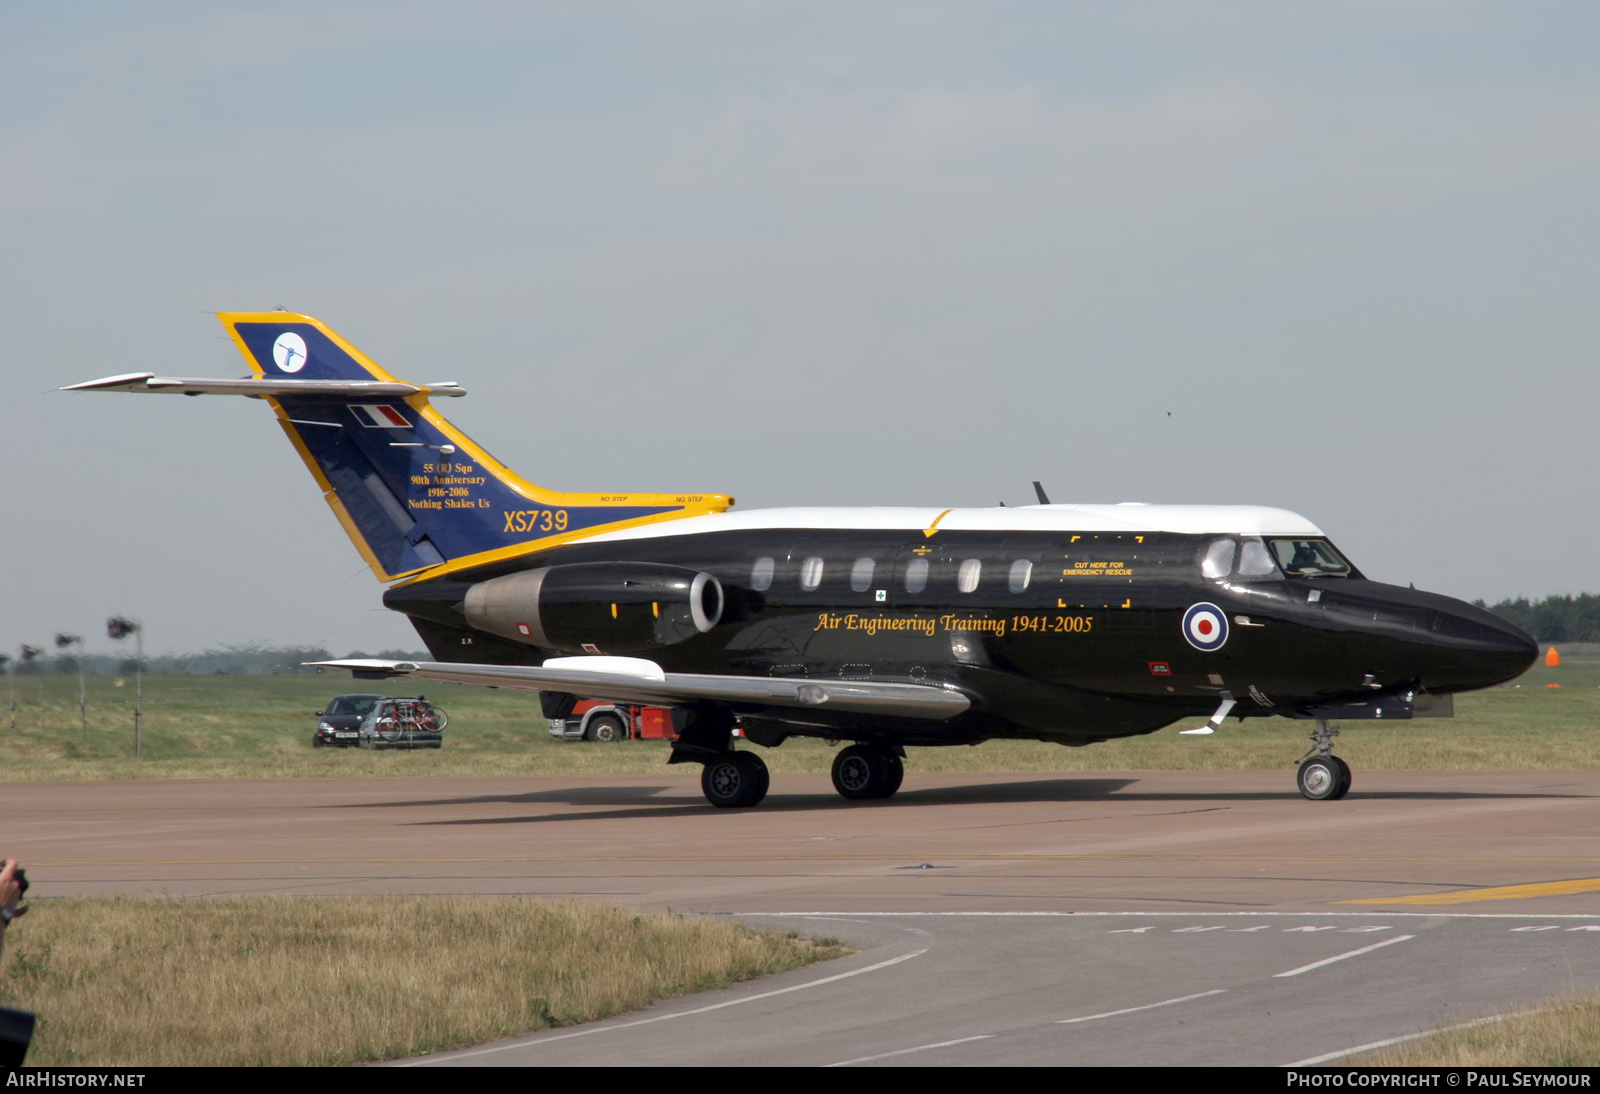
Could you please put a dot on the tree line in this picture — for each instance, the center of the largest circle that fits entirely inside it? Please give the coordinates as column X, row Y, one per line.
column 1555, row 618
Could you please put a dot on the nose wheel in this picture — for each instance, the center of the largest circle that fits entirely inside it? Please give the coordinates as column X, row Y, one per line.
column 1322, row 775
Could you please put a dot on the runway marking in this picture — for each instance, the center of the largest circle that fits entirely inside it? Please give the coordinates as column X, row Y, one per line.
column 918, row 856
column 1134, row 1010
column 1344, row 956
column 1499, row 892
column 909, row 1051
column 1197, row 915
column 1374, row 1045
column 444, row 1058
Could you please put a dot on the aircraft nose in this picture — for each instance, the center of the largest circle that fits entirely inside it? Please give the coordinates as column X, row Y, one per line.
column 1476, row 649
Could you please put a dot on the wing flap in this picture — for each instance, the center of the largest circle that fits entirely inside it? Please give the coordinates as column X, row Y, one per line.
column 644, row 682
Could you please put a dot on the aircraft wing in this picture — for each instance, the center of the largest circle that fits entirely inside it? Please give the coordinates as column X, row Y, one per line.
column 636, row 680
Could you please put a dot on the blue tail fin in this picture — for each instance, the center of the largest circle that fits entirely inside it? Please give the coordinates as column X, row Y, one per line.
column 413, row 492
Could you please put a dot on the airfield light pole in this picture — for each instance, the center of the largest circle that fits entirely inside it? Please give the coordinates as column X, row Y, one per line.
column 29, row 655
column 119, row 628
column 65, row 641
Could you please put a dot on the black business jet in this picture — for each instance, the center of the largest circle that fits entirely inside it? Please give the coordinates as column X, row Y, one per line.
column 884, row 627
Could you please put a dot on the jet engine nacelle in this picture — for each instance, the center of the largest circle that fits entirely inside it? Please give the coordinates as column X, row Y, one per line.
column 598, row 607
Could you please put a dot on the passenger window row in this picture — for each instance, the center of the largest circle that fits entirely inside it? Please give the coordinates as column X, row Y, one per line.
column 968, row 573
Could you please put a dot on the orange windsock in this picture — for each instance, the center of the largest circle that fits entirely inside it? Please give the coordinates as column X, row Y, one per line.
column 1552, row 658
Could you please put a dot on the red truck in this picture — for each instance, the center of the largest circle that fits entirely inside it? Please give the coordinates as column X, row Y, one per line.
column 593, row 720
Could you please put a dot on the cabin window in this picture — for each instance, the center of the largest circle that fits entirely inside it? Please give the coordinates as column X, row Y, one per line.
column 761, row 574
column 916, row 575
column 861, row 575
column 967, row 575
column 1218, row 560
column 1021, row 574
column 1254, row 559
column 811, row 573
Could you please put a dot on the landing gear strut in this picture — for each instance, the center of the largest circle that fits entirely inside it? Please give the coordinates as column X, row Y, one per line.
column 728, row 779
column 1323, row 776
column 861, row 773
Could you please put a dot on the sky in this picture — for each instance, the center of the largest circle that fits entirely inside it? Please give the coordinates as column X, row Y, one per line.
column 1334, row 258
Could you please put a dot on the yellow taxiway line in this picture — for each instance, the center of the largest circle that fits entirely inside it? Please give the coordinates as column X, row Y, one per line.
column 1499, row 892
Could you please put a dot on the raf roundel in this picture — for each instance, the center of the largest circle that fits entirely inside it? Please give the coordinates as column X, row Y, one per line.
column 289, row 352
column 1206, row 627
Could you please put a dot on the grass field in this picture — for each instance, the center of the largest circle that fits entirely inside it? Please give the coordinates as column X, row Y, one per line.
column 1564, row 1033
column 260, row 726
column 342, row 980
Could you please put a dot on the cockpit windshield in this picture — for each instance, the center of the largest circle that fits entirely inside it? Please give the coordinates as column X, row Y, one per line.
column 1310, row 558
column 1251, row 558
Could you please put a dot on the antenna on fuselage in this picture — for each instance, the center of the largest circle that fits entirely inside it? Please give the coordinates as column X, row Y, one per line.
column 1039, row 490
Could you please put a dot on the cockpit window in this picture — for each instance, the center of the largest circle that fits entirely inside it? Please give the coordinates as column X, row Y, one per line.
column 1254, row 559
column 1217, row 562
column 1310, row 558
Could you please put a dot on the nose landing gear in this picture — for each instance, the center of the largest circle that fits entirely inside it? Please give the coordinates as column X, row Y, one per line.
column 1322, row 775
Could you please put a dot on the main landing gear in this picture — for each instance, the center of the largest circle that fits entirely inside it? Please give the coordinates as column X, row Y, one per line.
column 734, row 780
column 728, row 779
column 1323, row 776
column 861, row 772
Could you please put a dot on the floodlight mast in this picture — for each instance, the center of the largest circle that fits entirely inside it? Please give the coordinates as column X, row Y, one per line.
column 11, row 687
column 64, row 641
column 28, row 654
column 119, row 628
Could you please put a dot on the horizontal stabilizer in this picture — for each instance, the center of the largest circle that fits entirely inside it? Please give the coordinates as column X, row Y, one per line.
column 189, row 385
column 644, row 682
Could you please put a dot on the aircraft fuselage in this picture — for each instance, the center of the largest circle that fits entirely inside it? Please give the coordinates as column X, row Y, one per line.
column 1075, row 636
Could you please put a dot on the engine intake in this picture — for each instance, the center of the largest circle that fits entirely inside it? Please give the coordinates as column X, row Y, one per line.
column 598, row 607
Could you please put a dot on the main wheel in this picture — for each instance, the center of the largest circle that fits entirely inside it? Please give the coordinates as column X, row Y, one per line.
column 606, row 727
column 1323, row 778
column 734, row 780
column 862, row 774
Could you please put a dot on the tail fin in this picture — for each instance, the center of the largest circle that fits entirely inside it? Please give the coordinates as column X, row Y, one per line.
column 413, row 492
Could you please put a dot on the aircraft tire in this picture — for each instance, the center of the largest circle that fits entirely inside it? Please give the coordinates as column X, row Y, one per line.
column 863, row 774
column 896, row 771
column 606, row 728
column 1344, row 778
column 1320, row 779
column 734, row 780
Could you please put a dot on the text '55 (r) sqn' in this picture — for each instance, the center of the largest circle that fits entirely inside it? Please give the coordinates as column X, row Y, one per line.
column 883, row 627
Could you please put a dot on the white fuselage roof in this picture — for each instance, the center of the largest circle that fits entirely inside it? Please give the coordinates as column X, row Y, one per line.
column 1135, row 517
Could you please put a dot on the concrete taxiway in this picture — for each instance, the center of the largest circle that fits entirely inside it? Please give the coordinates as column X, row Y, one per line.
column 1142, row 917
